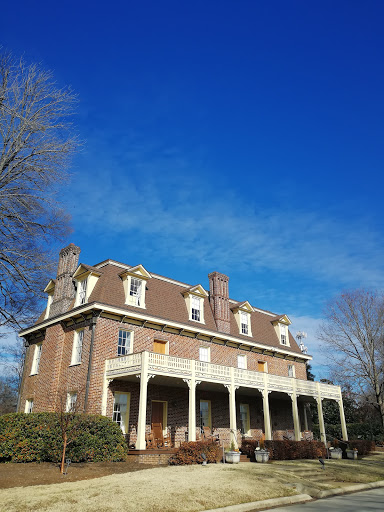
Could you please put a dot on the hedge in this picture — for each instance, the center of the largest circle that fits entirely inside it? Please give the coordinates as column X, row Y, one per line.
column 37, row 437
column 191, row 453
column 363, row 446
column 370, row 431
column 286, row 450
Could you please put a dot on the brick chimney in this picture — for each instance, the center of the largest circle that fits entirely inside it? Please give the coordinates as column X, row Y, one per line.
column 64, row 288
column 219, row 300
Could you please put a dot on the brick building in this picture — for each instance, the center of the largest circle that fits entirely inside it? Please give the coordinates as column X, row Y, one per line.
column 147, row 350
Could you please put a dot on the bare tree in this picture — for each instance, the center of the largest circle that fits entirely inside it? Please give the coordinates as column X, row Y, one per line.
column 69, row 419
column 36, row 143
column 353, row 334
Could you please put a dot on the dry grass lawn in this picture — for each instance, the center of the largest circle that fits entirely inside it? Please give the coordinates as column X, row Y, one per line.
column 165, row 489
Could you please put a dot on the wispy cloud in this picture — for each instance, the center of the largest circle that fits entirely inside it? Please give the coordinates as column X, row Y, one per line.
column 186, row 216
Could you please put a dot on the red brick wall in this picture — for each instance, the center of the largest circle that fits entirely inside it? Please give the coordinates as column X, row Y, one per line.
column 56, row 377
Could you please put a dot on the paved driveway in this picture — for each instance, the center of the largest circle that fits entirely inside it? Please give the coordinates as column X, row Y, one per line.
column 366, row 501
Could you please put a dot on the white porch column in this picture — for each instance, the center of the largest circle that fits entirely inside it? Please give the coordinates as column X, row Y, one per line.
column 140, row 443
column 305, row 416
column 267, row 416
column 232, row 408
column 105, row 392
column 320, row 414
column 192, row 403
column 295, row 414
column 342, row 418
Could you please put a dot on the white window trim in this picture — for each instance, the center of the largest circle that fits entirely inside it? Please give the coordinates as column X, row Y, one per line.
column 131, row 299
column 293, row 371
column 79, row 335
column 189, row 301
column 209, row 413
column 126, row 419
column 247, row 433
column 28, row 405
column 242, row 357
column 80, row 284
column 71, row 401
column 208, row 349
column 283, row 330
column 130, row 342
column 49, row 303
column 36, row 358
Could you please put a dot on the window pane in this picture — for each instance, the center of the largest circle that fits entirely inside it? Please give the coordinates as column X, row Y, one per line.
column 241, row 362
column 195, row 306
column 204, row 354
column 135, row 290
column 124, row 343
column 244, row 419
column 244, row 322
column 83, row 291
column 205, row 420
column 120, row 410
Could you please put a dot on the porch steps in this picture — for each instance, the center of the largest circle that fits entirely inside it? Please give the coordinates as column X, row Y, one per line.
column 244, row 458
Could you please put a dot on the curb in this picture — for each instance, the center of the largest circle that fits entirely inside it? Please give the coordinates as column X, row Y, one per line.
column 351, row 488
column 298, row 498
column 258, row 505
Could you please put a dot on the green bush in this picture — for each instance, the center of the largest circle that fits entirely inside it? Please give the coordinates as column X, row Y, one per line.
column 369, row 431
column 286, row 450
column 191, row 453
column 37, row 437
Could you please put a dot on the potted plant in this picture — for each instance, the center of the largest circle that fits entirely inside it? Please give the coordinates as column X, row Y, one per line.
column 351, row 453
column 336, row 453
column 261, row 454
column 232, row 456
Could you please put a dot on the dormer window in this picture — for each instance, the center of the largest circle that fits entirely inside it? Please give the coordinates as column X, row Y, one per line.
column 134, row 281
column 86, row 278
column 194, row 299
column 244, row 321
column 281, row 324
column 283, row 334
column 135, row 291
column 50, row 289
column 196, row 308
column 83, row 292
column 242, row 313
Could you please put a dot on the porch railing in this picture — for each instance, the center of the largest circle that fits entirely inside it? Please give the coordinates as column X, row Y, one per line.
column 161, row 364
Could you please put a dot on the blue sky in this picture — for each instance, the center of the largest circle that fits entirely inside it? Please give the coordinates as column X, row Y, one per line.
column 244, row 137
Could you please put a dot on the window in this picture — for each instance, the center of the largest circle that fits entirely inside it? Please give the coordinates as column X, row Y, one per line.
column 82, row 291
column 204, row 354
column 291, row 370
column 242, row 362
column 36, row 359
column 28, row 406
column 77, row 347
column 205, row 414
column 135, row 291
column 244, row 419
column 196, row 308
column 262, row 366
column 124, row 343
column 244, row 322
column 121, row 410
column 283, row 334
column 71, row 402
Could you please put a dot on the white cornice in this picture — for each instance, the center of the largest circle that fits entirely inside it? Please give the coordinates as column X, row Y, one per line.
column 157, row 320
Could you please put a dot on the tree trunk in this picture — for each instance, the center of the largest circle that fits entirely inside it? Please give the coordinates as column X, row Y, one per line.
column 63, row 457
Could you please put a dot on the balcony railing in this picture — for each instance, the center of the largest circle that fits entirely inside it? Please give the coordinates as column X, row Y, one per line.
column 161, row 364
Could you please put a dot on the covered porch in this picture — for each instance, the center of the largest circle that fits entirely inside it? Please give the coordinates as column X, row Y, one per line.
column 178, row 399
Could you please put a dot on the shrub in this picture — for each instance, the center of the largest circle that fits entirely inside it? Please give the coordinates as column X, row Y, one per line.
column 37, row 437
column 363, row 446
column 370, row 431
column 286, row 450
column 191, row 453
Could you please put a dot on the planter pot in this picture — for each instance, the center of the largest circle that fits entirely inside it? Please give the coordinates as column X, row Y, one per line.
column 336, row 454
column 232, row 457
column 352, row 454
column 262, row 455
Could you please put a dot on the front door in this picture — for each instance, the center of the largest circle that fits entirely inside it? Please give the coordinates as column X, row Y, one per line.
column 157, row 421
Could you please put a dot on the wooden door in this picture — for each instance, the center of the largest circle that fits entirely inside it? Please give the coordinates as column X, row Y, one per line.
column 159, row 347
column 261, row 366
column 157, row 421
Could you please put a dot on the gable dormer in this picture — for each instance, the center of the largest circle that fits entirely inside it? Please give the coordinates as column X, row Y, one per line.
column 242, row 312
column 134, row 282
column 281, row 324
column 50, row 290
column 86, row 278
column 194, row 300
